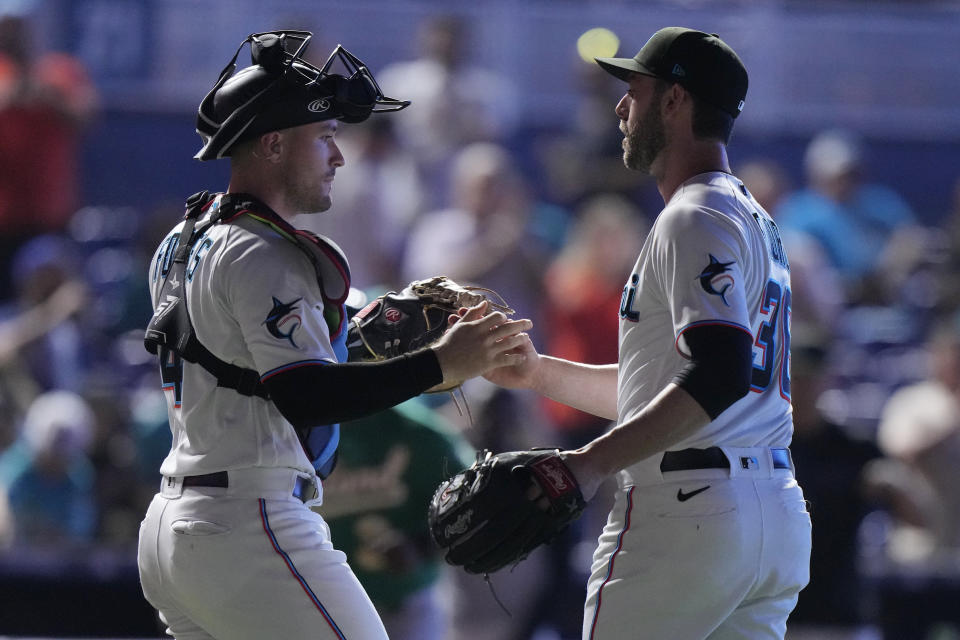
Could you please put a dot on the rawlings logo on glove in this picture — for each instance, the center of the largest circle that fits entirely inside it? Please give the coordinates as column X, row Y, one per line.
column 397, row 323
column 483, row 519
column 460, row 525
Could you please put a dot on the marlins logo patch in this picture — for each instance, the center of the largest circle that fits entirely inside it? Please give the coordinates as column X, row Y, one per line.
column 716, row 279
column 281, row 322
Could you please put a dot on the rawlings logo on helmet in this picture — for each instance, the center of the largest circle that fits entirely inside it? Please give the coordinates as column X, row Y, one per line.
column 319, row 105
column 269, row 95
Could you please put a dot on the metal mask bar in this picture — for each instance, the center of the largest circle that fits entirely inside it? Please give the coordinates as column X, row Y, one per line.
column 359, row 72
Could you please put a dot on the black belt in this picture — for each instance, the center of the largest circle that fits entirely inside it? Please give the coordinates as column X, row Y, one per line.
column 715, row 458
column 302, row 488
column 218, row 479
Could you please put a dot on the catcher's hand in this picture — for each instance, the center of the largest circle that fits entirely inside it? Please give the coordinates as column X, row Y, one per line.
column 486, row 517
column 397, row 323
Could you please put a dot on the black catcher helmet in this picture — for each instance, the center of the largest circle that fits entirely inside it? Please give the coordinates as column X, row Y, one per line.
column 281, row 90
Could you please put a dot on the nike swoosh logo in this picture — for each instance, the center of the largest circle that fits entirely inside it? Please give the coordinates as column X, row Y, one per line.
column 683, row 497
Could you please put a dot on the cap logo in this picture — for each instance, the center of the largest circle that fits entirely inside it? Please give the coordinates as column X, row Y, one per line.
column 319, row 105
column 740, row 106
column 678, row 71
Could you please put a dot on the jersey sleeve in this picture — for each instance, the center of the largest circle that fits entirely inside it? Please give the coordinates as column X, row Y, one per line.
column 273, row 295
column 699, row 263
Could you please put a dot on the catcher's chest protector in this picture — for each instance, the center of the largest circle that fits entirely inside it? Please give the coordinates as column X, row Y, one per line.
column 170, row 329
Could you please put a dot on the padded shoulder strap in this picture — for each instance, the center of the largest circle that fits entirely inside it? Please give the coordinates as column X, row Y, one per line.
column 171, row 328
column 328, row 260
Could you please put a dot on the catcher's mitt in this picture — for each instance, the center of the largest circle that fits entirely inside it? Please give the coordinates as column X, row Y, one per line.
column 483, row 519
column 397, row 323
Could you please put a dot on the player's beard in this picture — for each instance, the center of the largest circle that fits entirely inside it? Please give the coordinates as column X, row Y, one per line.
column 647, row 140
column 306, row 196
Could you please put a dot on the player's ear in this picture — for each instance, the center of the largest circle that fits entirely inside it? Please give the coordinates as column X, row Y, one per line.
column 269, row 146
column 674, row 97
column 675, row 101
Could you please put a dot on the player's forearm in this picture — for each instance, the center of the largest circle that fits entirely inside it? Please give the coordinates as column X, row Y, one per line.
column 590, row 388
column 315, row 393
column 669, row 418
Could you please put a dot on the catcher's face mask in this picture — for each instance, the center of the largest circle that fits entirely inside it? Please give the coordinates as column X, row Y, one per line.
column 281, row 90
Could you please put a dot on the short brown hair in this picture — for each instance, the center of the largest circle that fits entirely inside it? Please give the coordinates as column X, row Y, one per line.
column 710, row 122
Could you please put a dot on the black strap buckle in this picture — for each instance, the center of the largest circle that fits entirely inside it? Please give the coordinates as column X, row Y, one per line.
column 243, row 381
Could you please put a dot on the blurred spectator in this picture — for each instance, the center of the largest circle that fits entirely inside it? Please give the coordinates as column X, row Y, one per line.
column 6, row 520
column 493, row 236
column 41, row 346
column 488, row 236
column 585, row 157
column 919, row 434
column 913, row 271
column 853, row 220
column 583, row 287
column 948, row 285
column 829, row 465
column 532, row 591
column 150, row 429
column 112, row 241
column 457, row 101
column 375, row 503
column 45, row 102
column 376, row 200
column 113, row 453
column 818, row 292
column 766, row 181
column 951, row 220
column 8, row 419
column 48, row 475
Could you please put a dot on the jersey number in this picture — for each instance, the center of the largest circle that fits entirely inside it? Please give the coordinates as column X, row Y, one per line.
column 776, row 309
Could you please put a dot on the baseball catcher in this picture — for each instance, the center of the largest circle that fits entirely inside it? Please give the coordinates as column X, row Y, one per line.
column 250, row 332
column 503, row 507
column 397, row 323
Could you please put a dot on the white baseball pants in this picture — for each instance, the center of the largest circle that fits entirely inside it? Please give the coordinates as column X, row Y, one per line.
column 230, row 564
column 679, row 561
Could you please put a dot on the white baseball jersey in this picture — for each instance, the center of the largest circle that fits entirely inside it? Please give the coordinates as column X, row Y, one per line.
column 713, row 257
column 249, row 559
column 705, row 551
column 254, row 302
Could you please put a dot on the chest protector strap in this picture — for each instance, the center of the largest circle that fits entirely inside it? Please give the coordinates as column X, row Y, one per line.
column 171, row 329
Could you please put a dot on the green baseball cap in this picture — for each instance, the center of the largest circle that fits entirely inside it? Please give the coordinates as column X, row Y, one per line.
column 701, row 63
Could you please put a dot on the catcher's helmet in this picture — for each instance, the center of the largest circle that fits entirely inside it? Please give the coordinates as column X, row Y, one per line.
column 282, row 90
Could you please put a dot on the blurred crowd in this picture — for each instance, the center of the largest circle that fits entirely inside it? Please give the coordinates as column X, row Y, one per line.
column 553, row 227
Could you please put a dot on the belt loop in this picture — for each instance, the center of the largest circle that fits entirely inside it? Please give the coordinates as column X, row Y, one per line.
column 308, row 489
column 781, row 458
column 171, row 487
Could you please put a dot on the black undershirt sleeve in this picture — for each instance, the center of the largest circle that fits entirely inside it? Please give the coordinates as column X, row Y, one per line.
column 720, row 367
column 317, row 394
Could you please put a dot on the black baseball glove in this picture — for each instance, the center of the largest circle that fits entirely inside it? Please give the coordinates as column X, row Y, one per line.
column 397, row 323
column 484, row 519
